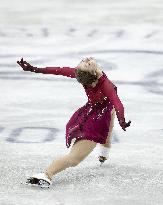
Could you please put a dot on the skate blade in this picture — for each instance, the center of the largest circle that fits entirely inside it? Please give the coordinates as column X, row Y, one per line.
column 33, row 182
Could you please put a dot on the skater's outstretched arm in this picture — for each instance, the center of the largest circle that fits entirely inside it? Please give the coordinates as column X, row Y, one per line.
column 108, row 90
column 65, row 71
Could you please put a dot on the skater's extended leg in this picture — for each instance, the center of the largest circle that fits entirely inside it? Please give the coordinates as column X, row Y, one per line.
column 79, row 151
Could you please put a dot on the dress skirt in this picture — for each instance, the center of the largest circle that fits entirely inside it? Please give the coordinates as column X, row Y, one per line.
column 90, row 122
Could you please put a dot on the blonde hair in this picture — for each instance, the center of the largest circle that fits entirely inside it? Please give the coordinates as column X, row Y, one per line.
column 90, row 65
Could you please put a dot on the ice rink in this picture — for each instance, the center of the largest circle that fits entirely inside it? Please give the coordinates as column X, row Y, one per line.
column 126, row 38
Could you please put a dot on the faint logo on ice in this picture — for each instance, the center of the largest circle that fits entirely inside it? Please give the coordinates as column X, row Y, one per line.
column 32, row 135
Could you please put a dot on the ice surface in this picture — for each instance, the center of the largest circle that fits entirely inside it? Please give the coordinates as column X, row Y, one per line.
column 126, row 37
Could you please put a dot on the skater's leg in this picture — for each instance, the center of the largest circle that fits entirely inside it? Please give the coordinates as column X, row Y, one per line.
column 109, row 137
column 79, row 151
column 105, row 148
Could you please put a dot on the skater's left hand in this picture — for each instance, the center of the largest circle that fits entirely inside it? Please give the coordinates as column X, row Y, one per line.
column 27, row 67
column 124, row 125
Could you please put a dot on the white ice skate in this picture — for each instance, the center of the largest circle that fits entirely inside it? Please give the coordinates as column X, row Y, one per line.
column 40, row 180
column 103, row 154
column 102, row 159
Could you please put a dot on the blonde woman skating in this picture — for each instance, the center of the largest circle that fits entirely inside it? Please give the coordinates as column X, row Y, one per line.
column 91, row 124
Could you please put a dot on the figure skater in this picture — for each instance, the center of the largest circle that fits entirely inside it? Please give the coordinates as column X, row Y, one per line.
column 91, row 124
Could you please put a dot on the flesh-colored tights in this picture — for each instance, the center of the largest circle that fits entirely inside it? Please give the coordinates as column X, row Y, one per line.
column 79, row 151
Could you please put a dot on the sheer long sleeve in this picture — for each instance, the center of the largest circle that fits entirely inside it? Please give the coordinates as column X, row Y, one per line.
column 65, row 71
column 109, row 91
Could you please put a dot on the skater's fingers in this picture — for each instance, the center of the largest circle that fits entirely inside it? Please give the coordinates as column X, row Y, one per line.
column 21, row 60
column 25, row 63
column 123, row 128
column 20, row 63
column 128, row 124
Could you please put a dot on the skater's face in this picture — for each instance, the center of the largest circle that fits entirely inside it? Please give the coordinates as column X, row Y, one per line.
column 85, row 77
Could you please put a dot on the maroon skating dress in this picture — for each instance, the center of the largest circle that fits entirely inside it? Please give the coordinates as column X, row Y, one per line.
column 92, row 120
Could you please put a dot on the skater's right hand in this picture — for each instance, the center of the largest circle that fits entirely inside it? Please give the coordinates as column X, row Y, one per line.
column 124, row 125
column 27, row 67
